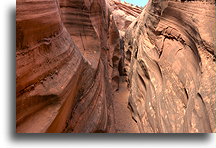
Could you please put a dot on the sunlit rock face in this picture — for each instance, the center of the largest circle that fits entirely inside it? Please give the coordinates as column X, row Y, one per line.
column 170, row 52
column 124, row 14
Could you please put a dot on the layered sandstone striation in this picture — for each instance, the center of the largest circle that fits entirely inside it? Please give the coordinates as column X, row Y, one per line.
column 82, row 64
column 92, row 28
column 68, row 57
column 48, row 68
column 62, row 84
column 170, row 52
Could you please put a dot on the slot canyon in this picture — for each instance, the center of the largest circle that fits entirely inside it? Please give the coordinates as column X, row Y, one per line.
column 107, row 66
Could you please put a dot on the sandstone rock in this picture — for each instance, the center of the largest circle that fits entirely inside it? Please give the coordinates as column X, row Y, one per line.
column 43, row 47
column 62, row 78
column 68, row 55
column 124, row 14
column 171, row 67
column 78, row 63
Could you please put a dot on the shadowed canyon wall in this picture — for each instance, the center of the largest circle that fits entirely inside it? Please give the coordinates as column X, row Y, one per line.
column 74, row 57
column 68, row 56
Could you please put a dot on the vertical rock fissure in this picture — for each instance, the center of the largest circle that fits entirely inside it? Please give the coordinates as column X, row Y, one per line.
column 106, row 66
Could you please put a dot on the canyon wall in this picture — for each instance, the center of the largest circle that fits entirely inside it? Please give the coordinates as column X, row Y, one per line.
column 63, row 77
column 68, row 58
column 48, row 68
column 170, row 63
column 80, row 62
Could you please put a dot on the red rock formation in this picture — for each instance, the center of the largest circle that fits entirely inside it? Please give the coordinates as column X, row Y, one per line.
column 68, row 56
column 124, row 14
column 71, row 64
column 59, row 88
column 48, row 66
column 171, row 67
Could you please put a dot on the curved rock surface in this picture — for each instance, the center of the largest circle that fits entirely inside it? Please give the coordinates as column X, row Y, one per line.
column 63, row 82
column 171, row 67
column 48, row 66
column 80, row 62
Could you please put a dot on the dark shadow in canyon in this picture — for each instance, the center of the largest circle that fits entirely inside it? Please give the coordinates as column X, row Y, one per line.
column 101, row 137
column 11, row 63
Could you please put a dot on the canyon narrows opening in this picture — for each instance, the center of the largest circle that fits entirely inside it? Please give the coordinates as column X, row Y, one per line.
column 106, row 66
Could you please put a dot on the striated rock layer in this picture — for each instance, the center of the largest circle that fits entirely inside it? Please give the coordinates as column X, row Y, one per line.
column 170, row 62
column 79, row 62
column 63, row 77
column 48, row 66
column 94, row 32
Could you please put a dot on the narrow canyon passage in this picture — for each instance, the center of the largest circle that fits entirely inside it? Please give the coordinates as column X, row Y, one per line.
column 122, row 115
column 81, row 63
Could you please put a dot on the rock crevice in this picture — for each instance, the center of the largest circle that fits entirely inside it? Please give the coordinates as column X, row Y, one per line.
column 105, row 66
